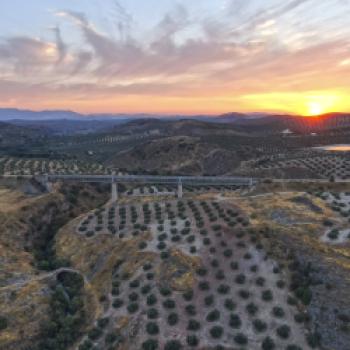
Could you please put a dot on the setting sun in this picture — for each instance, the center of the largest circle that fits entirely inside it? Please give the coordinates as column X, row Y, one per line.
column 315, row 109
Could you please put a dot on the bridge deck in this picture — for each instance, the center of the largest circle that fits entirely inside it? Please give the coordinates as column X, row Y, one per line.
column 150, row 179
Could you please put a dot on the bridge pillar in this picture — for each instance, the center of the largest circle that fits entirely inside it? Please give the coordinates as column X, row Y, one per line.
column 179, row 189
column 114, row 192
column 46, row 183
column 114, row 189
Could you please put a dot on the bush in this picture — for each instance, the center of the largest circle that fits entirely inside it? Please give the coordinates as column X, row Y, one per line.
column 209, row 300
column 103, row 322
column 244, row 294
column 229, row 304
column 173, row 345
column 268, row 344
column 150, row 344
column 293, row 347
column 213, row 316
column 240, row 279
column 3, row 323
column 146, row 289
column 95, row 333
column 152, row 328
column 193, row 325
column 252, row 309
column 152, row 313
column 132, row 308
column 216, row 332
column 165, row 291
column 283, row 331
column 223, row 289
column 235, row 321
column 173, row 319
column 192, row 340
column 259, row 325
column 241, row 339
column 169, row 304
column 260, row 281
column 204, row 285
column 111, row 338
column 188, row 295
column 278, row 312
column 117, row 303
column 151, row 300
column 191, row 310
column 133, row 296
column 267, row 295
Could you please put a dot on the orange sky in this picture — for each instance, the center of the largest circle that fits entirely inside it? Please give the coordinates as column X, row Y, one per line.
column 281, row 57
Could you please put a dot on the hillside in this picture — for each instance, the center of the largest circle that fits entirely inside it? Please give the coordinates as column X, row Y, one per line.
column 176, row 155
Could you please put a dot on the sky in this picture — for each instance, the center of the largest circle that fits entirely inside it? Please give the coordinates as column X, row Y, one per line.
column 176, row 56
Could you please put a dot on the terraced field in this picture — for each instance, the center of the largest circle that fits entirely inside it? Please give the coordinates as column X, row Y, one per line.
column 19, row 166
column 317, row 166
column 202, row 279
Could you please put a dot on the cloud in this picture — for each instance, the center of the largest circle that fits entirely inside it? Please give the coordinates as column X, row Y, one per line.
column 251, row 50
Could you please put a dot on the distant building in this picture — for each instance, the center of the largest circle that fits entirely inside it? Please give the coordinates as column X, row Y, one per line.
column 287, row 132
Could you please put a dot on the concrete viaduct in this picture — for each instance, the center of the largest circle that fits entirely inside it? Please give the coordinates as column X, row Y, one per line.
column 178, row 181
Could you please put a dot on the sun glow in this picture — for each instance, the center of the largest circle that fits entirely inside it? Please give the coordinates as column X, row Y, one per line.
column 315, row 109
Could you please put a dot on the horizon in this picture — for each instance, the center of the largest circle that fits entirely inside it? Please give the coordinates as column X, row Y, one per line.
column 175, row 57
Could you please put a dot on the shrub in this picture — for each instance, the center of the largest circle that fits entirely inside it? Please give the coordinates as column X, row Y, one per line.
column 134, row 284
column 216, row 332
column 267, row 295
column 188, row 295
column 191, row 310
column 173, row 345
column 111, row 338
column 204, row 285
column 240, row 279
column 150, row 276
column 133, row 296
column 95, row 333
column 151, row 300
column 283, row 331
column 244, row 294
column 169, row 304
column 293, row 347
column 252, row 309
column 202, row 271
column 3, row 323
column 173, row 319
column 278, row 312
column 192, row 340
column 209, row 300
column 260, row 281
column 152, row 328
column 146, row 289
column 240, row 339
column 228, row 253
column 150, row 344
column 103, row 322
column 268, row 344
column 259, row 326
column 117, row 303
column 229, row 304
column 132, row 307
column 234, row 265
column 165, row 291
column 213, row 316
column 235, row 321
column 223, row 289
column 193, row 325
column 152, row 313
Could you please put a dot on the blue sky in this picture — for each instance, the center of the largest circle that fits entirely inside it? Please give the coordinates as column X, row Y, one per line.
column 175, row 56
